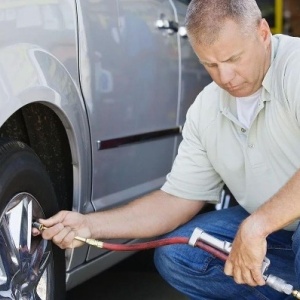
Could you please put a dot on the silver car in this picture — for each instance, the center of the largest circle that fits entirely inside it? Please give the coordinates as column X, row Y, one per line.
column 93, row 96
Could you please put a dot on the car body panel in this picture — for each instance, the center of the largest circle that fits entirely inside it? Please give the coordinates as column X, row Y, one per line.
column 34, row 60
column 38, row 59
column 113, row 78
column 130, row 74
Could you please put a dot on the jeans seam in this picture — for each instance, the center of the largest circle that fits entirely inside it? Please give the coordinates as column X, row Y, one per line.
column 272, row 247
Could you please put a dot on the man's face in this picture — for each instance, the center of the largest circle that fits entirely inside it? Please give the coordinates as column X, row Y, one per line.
column 235, row 62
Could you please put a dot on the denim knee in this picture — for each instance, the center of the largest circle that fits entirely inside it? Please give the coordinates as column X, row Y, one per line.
column 163, row 261
column 182, row 266
column 165, row 264
column 296, row 240
column 166, row 260
column 200, row 276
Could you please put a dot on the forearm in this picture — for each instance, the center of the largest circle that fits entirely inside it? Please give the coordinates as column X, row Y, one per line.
column 149, row 216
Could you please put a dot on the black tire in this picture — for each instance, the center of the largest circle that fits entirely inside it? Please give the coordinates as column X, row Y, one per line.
column 26, row 194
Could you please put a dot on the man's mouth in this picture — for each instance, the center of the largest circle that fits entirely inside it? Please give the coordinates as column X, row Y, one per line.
column 233, row 88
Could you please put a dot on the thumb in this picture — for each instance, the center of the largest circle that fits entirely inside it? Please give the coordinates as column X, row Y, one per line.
column 55, row 219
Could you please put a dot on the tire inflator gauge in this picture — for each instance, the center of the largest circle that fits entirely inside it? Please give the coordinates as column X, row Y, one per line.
column 200, row 239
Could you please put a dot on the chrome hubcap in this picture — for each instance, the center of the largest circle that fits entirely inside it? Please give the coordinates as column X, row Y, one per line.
column 25, row 261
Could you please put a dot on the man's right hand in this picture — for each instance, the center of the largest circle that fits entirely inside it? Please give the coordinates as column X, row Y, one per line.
column 63, row 227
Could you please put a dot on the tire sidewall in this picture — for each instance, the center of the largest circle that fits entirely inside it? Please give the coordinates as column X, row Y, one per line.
column 21, row 171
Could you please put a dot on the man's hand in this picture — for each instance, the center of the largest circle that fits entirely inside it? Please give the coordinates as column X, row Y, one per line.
column 245, row 260
column 63, row 227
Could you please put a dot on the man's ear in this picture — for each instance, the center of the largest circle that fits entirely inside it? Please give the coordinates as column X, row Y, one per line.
column 264, row 31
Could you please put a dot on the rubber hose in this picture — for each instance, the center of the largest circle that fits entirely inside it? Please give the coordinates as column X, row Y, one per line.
column 164, row 242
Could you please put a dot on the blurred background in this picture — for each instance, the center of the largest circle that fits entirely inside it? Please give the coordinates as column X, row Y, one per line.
column 282, row 15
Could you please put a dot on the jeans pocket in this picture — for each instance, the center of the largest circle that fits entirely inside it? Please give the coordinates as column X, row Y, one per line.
column 197, row 262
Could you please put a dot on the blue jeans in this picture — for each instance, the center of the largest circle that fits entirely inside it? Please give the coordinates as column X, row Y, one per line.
column 199, row 275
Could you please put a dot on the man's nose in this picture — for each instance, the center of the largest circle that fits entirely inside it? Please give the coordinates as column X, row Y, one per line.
column 226, row 74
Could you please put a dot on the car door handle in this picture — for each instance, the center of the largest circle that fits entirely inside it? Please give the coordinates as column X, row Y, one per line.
column 170, row 26
column 182, row 32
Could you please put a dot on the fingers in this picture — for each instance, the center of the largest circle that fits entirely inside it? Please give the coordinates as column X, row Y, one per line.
column 60, row 229
column 251, row 277
column 49, row 222
column 57, row 218
column 228, row 269
column 63, row 237
column 35, row 231
column 245, row 260
column 53, row 231
column 257, row 276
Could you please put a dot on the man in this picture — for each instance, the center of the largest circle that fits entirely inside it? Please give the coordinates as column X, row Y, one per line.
column 242, row 130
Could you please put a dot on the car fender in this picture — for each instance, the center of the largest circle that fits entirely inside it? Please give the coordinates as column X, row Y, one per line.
column 29, row 74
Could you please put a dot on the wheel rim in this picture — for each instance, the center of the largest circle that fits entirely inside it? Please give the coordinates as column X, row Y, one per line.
column 25, row 261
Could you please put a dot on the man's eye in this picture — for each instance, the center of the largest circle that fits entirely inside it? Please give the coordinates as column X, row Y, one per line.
column 211, row 65
column 234, row 59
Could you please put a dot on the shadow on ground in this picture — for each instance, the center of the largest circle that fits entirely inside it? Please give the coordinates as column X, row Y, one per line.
column 135, row 278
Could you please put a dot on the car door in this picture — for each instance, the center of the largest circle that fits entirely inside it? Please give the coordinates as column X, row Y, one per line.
column 194, row 77
column 129, row 70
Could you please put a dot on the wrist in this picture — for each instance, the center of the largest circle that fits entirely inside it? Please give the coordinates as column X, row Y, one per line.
column 256, row 226
column 89, row 224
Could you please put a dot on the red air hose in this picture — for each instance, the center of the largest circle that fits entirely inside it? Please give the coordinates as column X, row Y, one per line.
column 275, row 282
column 164, row 242
column 145, row 245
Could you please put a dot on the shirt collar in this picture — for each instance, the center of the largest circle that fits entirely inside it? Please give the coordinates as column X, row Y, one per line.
column 267, row 82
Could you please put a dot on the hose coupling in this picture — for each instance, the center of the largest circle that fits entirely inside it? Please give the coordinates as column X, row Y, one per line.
column 92, row 242
column 296, row 294
column 279, row 284
column 39, row 226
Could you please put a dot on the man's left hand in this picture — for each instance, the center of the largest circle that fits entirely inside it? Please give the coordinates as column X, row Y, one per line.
column 245, row 260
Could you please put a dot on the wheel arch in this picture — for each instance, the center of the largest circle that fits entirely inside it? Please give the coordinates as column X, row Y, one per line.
column 39, row 127
column 42, row 105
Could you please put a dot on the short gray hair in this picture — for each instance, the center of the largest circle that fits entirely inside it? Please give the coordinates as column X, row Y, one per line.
column 205, row 18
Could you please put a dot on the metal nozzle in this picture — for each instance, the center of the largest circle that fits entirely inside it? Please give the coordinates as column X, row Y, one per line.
column 296, row 294
column 39, row 226
column 279, row 284
column 199, row 234
column 91, row 242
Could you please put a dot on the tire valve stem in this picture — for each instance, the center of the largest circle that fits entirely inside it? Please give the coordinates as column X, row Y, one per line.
column 92, row 242
column 39, row 226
